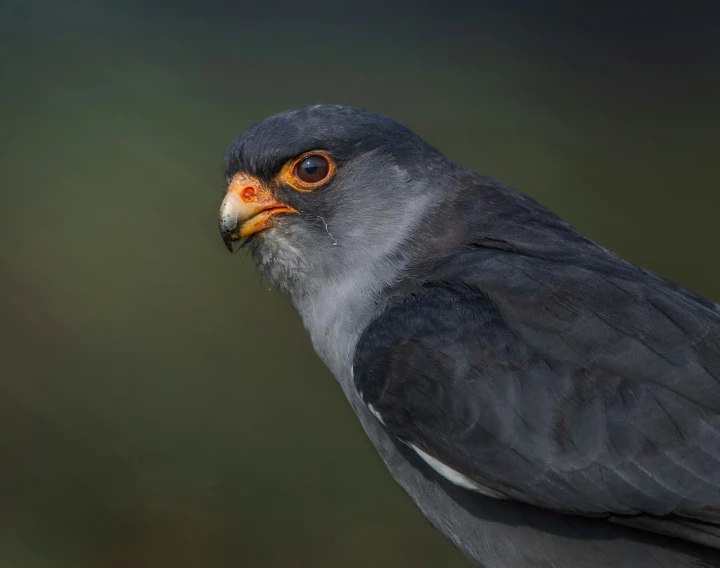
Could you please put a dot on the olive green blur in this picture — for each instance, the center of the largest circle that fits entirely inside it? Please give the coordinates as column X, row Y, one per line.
column 160, row 405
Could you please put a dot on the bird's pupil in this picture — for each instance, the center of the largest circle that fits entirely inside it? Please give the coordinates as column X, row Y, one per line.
column 311, row 169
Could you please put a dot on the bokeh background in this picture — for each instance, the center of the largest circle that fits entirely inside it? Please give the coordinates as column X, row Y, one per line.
column 159, row 404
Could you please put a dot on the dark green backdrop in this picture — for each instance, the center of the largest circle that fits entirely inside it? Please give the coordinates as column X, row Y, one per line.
column 159, row 405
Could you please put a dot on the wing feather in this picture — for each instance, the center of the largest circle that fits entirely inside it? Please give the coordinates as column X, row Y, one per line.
column 590, row 391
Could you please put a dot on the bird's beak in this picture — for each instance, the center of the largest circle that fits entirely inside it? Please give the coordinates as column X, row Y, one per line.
column 248, row 207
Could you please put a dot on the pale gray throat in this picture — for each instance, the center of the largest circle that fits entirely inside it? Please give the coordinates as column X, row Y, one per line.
column 336, row 316
column 338, row 310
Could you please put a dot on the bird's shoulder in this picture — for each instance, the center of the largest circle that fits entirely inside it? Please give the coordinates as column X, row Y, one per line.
column 583, row 309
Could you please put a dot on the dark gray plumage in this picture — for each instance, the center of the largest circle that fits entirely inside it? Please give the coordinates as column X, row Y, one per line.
column 485, row 333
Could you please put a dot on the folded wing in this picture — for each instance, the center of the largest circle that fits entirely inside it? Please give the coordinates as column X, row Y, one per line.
column 577, row 389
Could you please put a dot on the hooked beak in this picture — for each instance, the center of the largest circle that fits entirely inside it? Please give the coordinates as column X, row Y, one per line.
column 248, row 207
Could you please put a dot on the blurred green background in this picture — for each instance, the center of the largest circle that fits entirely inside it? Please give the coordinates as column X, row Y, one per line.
column 159, row 405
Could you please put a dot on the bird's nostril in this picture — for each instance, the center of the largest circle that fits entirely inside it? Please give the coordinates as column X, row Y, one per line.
column 248, row 194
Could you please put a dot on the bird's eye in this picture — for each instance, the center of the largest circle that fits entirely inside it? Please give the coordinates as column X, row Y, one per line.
column 308, row 171
column 312, row 169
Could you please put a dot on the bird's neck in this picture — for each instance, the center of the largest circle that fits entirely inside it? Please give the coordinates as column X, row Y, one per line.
column 335, row 317
column 342, row 290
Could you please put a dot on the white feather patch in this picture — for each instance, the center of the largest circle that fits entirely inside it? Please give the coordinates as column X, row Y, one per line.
column 455, row 476
column 376, row 414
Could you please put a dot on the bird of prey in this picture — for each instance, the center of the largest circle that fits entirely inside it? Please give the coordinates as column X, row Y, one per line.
column 543, row 402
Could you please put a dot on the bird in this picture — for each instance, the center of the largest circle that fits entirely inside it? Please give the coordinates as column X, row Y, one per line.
column 544, row 402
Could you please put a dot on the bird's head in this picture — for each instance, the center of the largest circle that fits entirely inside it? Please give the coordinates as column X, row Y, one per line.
column 327, row 190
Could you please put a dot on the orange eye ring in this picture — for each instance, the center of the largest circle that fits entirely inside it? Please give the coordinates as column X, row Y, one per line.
column 289, row 175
